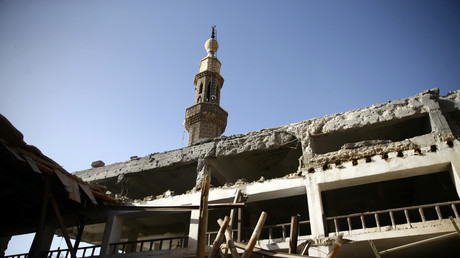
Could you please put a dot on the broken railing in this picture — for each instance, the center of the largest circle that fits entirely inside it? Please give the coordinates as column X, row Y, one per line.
column 270, row 232
column 149, row 245
column 393, row 217
column 87, row 251
column 121, row 247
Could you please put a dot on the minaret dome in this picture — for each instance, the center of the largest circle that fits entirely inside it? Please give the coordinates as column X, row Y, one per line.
column 211, row 44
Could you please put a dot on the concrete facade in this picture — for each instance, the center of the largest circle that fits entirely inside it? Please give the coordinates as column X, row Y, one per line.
column 389, row 173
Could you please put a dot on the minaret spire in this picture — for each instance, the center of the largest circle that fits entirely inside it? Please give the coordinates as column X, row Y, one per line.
column 206, row 119
column 213, row 34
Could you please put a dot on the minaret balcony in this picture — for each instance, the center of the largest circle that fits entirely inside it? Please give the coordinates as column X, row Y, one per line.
column 209, row 74
column 206, row 111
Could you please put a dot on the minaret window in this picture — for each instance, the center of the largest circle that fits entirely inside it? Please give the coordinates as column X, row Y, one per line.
column 208, row 92
column 201, row 88
column 198, row 100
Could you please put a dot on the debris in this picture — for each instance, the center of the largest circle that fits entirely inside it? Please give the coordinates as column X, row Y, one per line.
column 97, row 164
column 241, row 181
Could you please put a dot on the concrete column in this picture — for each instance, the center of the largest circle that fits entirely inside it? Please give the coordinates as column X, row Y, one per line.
column 439, row 123
column 193, row 229
column 456, row 175
column 315, row 211
column 112, row 233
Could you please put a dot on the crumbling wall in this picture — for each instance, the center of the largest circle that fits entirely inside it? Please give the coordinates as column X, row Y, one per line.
column 427, row 110
column 424, row 103
column 450, row 105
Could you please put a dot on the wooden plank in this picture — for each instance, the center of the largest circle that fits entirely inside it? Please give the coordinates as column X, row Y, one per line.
column 230, row 243
column 232, row 212
column 294, row 234
column 60, row 220
column 203, row 219
column 219, row 238
column 255, row 235
column 271, row 253
column 88, row 193
column 240, row 225
column 232, row 218
column 336, row 247
column 307, row 246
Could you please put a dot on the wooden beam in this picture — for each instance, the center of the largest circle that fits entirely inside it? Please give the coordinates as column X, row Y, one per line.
column 36, row 244
column 62, row 225
column 255, row 235
column 232, row 212
column 336, row 247
column 219, row 238
column 271, row 253
column 294, row 234
column 240, row 224
column 80, row 229
column 230, row 243
column 307, row 246
column 203, row 219
column 232, row 218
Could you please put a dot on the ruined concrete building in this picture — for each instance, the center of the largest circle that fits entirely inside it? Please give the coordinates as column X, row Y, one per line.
column 385, row 177
column 389, row 173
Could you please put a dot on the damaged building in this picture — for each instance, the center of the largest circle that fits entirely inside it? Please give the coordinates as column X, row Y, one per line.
column 385, row 179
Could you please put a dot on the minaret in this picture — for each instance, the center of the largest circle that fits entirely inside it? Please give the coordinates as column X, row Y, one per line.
column 206, row 119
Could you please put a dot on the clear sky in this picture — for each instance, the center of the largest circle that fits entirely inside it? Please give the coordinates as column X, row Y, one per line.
column 106, row 80
column 90, row 80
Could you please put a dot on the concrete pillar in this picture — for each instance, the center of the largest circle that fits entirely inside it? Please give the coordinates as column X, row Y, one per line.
column 112, row 233
column 439, row 123
column 456, row 175
column 315, row 211
column 193, row 229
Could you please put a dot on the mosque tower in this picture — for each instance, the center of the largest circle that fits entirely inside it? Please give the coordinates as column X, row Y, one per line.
column 206, row 119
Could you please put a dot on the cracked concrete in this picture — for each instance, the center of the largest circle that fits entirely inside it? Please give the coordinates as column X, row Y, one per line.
column 426, row 109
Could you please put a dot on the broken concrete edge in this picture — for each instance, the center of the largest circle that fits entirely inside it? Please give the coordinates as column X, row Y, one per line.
column 427, row 102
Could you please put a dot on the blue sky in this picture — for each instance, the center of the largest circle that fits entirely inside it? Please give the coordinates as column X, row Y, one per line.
column 90, row 80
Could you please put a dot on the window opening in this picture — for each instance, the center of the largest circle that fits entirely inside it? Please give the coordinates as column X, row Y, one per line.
column 208, row 92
